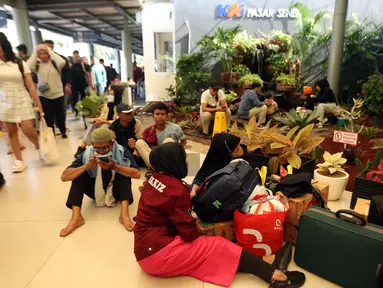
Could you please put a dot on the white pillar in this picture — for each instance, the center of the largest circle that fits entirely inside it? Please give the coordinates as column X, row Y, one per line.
column 336, row 48
column 37, row 38
column 127, row 52
column 21, row 18
column 117, row 57
column 91, row 50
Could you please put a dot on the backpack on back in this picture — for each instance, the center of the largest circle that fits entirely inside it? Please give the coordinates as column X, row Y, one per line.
column 224, row 191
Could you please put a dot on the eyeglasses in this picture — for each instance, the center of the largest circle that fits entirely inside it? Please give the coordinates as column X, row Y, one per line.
column 102, row 149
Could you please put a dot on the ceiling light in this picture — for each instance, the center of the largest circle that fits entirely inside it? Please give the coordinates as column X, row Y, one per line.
column 32, row 28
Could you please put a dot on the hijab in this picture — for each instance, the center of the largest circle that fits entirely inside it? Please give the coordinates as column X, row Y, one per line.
column 219, row 155
column 169, row 159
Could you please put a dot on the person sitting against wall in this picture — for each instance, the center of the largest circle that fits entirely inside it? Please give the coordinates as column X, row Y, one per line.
column 213, row 100
column 325, row 100
column 103, row 172
column 168, row 244
column 251, row 105
column 159, row 133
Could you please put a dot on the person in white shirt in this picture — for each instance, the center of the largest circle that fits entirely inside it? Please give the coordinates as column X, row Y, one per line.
column 213, row 100
column 15, row 100
column 48, row 65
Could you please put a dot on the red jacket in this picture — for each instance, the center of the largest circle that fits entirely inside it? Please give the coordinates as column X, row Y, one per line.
column 163, row 213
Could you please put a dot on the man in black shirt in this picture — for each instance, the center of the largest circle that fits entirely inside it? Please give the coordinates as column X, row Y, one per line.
column 80, row 78
column 127, row 128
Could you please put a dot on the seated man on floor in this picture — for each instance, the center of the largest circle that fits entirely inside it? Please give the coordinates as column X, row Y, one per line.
column 127, row 128
column 103, row 172
column 159, row 133
column 251, row 105
column 213, row 100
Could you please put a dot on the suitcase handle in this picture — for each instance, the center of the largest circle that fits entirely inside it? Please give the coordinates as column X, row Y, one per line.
column 353, row 220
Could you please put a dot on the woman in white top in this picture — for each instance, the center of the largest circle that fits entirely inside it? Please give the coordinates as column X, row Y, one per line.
column 15, row 101
column 48, row 65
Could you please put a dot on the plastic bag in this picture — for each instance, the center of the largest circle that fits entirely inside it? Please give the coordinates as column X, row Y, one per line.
column 48, row 148
column 260, row 234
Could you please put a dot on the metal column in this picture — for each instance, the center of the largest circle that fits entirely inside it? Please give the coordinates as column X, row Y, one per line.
column 127, row 51
column 21, row 18
column 37, row 38
column 336, row 49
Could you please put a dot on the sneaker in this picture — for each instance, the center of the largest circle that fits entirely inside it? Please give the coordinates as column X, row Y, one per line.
column 19, row 166
column 79, row 151
column 64, row 136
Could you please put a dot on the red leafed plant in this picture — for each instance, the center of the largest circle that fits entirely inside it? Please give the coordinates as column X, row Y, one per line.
column 376, row 175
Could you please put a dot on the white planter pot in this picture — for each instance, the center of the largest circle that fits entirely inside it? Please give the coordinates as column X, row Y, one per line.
column 336, row 185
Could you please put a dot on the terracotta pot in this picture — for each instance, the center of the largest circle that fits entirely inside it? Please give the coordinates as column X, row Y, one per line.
column 229, row 78
column 281, row 88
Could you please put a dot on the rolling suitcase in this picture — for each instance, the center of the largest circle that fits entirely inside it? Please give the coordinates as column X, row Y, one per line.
column 346, row 251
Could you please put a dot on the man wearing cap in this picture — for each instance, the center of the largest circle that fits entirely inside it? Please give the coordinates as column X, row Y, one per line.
column 213, row 100
column 127, row 128
column 103, row 172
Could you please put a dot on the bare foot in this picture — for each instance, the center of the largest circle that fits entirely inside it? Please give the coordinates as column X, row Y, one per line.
column 73, row 224
column 129, row 224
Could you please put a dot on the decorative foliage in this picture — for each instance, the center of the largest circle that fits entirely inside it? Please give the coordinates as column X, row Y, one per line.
column 370, row 132
column 247, row 43
column 332, row 164
column 91, row 105
column 220, row 46
column 187, row 124
column 352, row 115
column 241, row 70
column 373, row 94
column 351, row 154
column 376, row 175
column 294, row 119
column 369, row 164
column 250, row 79
column 230, row 96
column 287, row 80
column 291, row 146
column 185, row 110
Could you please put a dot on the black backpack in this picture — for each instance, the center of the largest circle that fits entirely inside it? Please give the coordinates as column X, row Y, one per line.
column 225, row 191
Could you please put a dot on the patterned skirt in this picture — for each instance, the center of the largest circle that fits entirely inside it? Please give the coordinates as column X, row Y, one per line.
column 15, row 105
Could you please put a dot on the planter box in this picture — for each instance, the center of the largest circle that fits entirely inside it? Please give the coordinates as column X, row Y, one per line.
column 257, row 160
column 365, row 188
column 281, row 88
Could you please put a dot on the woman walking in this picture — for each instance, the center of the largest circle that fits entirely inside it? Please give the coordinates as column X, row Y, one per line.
column 15, row 101
column 48, row 65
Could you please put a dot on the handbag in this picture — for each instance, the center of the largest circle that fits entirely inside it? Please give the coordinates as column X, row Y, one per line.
column 262, row 234
column 48, row 148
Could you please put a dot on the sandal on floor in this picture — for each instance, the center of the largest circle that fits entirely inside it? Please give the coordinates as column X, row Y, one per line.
column 295, row 279
column 283, row 257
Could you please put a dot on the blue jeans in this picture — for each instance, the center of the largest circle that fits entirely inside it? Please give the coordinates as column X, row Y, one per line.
column 100, row 89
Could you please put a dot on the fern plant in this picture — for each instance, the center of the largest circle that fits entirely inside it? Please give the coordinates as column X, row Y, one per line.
column 287, row 80
column 249, row 79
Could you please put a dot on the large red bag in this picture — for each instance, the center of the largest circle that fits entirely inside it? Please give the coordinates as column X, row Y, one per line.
column 262, row 234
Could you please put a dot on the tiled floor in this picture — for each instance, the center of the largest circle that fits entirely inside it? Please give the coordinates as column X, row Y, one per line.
column 99, row 254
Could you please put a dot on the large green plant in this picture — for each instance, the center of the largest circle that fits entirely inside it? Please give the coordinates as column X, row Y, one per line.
column 192, row 75
column 373, row 94
column 220, row 46
column 250, row 79
column 294, row 119
column 287, row 80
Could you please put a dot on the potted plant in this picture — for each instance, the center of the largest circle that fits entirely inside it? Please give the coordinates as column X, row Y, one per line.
column 247, row 80
column 286, row 83
column 241, row 70
column 293, row 118
column 366, row 187
column 332, row 173
column 220, row 46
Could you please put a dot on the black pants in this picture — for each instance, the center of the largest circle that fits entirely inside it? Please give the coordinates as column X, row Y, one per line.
column 122, row 189
column 75, row 91
column 54, row 112
column 251, row 264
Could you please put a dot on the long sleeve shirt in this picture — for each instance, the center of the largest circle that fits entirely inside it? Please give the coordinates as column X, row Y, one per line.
column 100, row 74
column 163, row 213
column 48, row 74
column 249, row 100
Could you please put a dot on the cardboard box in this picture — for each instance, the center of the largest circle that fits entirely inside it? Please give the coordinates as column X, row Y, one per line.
column 324, row 189
column 297, row 206
column 290, row 233
column 224, row 229
column 362, row 207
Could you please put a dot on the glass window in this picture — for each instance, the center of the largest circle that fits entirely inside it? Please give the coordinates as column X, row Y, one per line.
column 163, row 52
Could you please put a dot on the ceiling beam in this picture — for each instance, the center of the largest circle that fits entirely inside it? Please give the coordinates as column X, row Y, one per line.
column 61, row 7
column 107, row 23
column 123, row 12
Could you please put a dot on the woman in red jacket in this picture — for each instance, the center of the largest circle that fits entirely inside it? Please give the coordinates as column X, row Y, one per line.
column 167, row 242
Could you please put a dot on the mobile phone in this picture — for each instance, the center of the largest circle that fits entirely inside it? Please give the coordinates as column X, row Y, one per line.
column 104, row 158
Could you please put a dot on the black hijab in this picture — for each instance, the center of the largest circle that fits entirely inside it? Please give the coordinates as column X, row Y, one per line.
column 219, row 155
column 169, row 159
column 326, row 95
